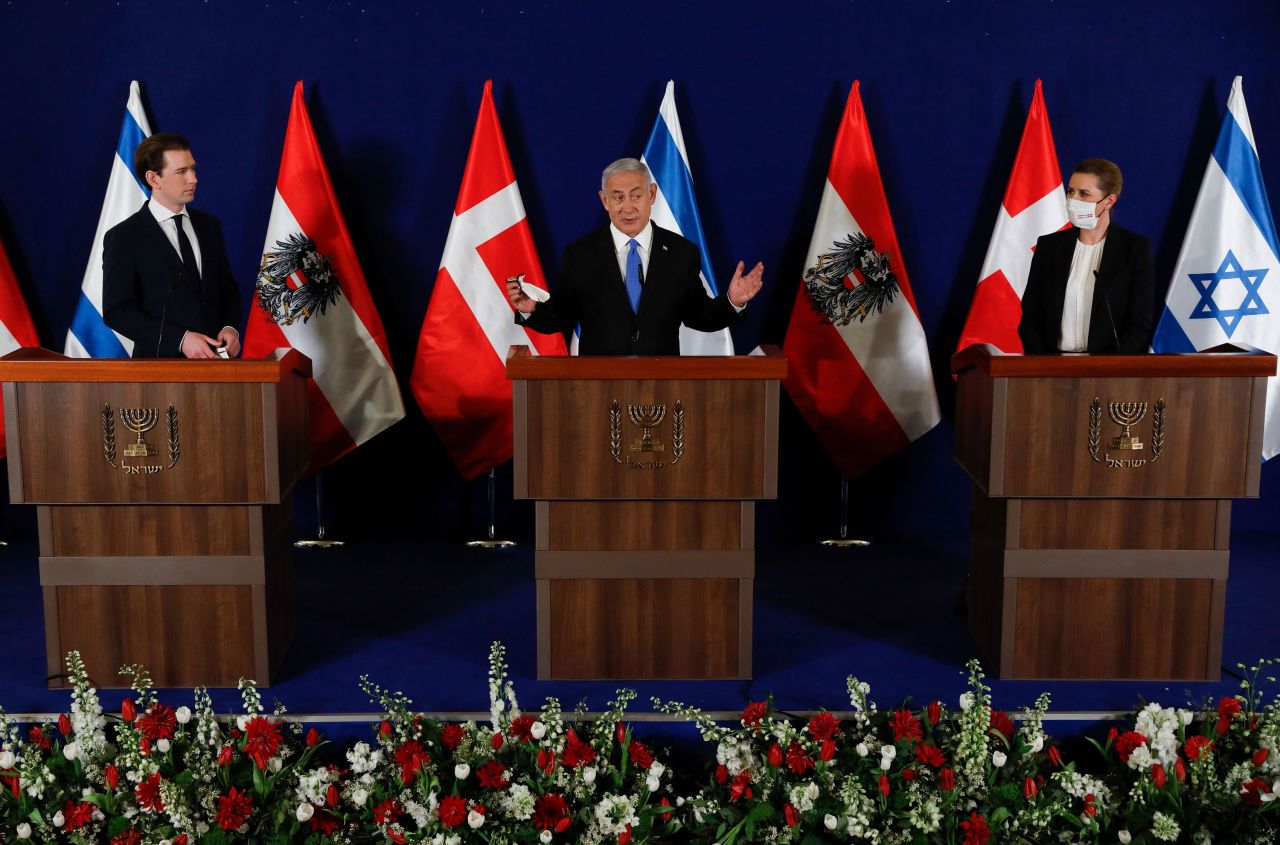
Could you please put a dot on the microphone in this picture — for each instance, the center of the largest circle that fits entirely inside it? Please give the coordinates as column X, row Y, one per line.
column 164, row 309
column 1106, row 300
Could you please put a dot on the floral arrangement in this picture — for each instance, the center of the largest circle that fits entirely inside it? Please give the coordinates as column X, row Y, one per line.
column 160, row 775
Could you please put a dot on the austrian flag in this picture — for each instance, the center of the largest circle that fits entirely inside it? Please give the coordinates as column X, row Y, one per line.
column 311, row 295
column 858, row 364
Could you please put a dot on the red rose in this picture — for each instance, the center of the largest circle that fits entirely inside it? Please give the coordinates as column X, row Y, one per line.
column 908, row 774
column 410, row 757
column 159, row 722
column 127, row 711
column 1055, row 756
column 234, row 809
column 906, row 726
column 1090, row 805
column 77, row 814
column 521, row 728
column 753, row 713
column 625, row 836
column 775, row 755
column 129, row 837
column 261, row 739
column 827, row 750
column 930, row 755
column 947, row 780
column 576, row 752
column 1260, row 756
column 1029, row 789
column 451, row 736
column 64, row 724
column 824, row 726
column 793, row 817
column 148, row 793
column 797, row 760
column 1158, row 776
column 224, row 756
column 453, row 811
column 548, row 811
column 1000, row 724
column 313, row 738
column 934, row 712
column 331, row 795
column 976, row 831
column 112, row 776
column 1227, row 708
column 1196, row 746
column 492, row 775
column 884, row 785
column 1126, row 742
column 1180, row 769
column 741, row 786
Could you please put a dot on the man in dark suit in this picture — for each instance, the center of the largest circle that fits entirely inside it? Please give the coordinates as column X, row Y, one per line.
column 1090, row 286
column 166, row 280
column 630, row 285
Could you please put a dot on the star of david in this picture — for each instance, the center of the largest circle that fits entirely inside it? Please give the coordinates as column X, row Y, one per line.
column 1207, row 283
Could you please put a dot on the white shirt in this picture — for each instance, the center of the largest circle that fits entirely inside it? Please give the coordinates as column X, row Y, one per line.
column 644, row 244
column 1077, row 307
column 168, row 225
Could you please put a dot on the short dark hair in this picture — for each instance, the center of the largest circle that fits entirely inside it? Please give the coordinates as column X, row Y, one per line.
column 1109, row 178
column 150, row 153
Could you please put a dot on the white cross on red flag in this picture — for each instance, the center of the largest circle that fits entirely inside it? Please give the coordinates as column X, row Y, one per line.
column 16, row 328
column 857, row 360
column 1034, row 205
column 459, row 371
column 311, row 295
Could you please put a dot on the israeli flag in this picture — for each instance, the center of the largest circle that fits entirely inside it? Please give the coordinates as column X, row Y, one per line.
column 1226, row 285
column 675, row 209
column 89, row 336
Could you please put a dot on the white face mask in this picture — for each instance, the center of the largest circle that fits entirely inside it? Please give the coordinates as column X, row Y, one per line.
column 1083, row 215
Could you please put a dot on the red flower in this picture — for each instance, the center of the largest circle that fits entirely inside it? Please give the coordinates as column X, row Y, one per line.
column 1029, row 789
column 451, row 735
column 827, row 750
column 1000, row 724
column 180, row 839
column 144, row 746
column 331, row 795
column 741, row 786
column 77, row 815
column 396, row 836
column 775, row 755
column 129, row 837
column 1196, row 746
column 1126, row 742
column 722, row 774
column 410, row 757
column 947, row 780
column 325, row 823
column 546, row 760
column 1112, row 734
column 625, row 836
column 976, row 831
column 906, row 726
column 824, row 726
column 148, row 793
column 1090, row 805
column 577, row 752
column 1055, row 756
column 1179, row 769
column 908, row 774
column 1158, row 776
column 127, row 711
column 111, row 775
column 753, row 713
column 453, row 810
column 387, row 813
column 664, row 802
column 313, row 739
column 935, row 712
column 620, row 732
column 793, row 817
column 930, row 755
column 492, row 775
column 797, row 760
column 495, row 741
column 36, row 735
column 1260, row 756
column 639, row 755
column 64, row 724
column 1227, row 708
column 224, row 756
column 157, row 723
column 261, row 739
column 549, row 812
column 521, row 728
column 1251, row 792
column 884, row 785
column 385, row 728
column 234, row 809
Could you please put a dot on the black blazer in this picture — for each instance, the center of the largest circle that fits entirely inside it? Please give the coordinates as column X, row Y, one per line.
column 1124, row 279
column 591, row 292
column 143, row 281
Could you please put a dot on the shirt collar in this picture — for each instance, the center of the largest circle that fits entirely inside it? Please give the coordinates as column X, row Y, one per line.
column 620, row 238
column 162, row 214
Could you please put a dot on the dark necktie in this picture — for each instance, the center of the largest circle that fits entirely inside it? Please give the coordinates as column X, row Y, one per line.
column 188, row 254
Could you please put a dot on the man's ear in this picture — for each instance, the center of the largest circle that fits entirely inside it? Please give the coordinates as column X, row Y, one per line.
column 653, row 191
column 604, row 200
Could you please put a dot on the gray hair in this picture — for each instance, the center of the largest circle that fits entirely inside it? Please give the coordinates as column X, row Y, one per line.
column 625, row 165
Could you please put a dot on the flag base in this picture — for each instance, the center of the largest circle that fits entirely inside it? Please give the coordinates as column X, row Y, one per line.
column 846, row 543
column 491, row 544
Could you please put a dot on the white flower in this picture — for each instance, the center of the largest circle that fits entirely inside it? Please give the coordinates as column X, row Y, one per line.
column 862, row 749
column 475, row 820
column 812, row 791
column 182, row 714
column 241, row 722
column 1185, row 716
column 886, row 764
column 275, row 764
column 656, row 769
column 966, row 701
column 304, row 812
column 653, row 783
column 589, row 774
column 455, row 839
column 165, row 842
column 829, row 821
column 58, row 819
column 545, row 836
column 162, row 745
column 1037, row 744
column 359, row 796
column 999, row 758
column 461, row 771
column 24, row 831
column 888, row 752
column 7, row 759
column 538, row 730
column 70, row 750
column 1125, row 837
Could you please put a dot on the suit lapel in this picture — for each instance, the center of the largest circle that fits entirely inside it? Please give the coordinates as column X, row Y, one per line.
column 1065, row 249
column 160, row 241
column 658, row 258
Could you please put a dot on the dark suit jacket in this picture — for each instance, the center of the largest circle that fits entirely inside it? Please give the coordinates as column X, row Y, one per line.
column 1124, row 279
column 591, row 292
column 143, row 281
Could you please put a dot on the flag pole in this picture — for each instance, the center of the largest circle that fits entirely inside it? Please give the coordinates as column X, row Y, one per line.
column 844, row 541
column 491, row 542
column 320, row 542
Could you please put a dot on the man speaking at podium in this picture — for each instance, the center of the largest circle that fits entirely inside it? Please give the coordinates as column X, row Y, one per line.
column 630, row 285
column 166, row 280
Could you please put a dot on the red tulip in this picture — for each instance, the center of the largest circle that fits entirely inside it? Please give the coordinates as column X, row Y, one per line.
column 792, row 816
column 64, row 724
column 947, row 780
column 722, row 774
column 495, row 741
column 180, row 839
column 1180, row 769
column 1090, row 805
column 1158, row 776
column 1260, row 756
column 620, row 732
column 224, row 756
column 385, row 728
column 112, row 776
column 313, row 737
column 827, row 750
column 331, row 795
column 1029, row 789
column 775, row 755
column 884, row 785
column 127, row 711
column 625, row 836
column 1055, row 756
column 908, row 774
column 934, row 712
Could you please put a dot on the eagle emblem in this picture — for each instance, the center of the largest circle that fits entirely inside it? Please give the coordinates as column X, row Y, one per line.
column 873, row 282
column 295, row 281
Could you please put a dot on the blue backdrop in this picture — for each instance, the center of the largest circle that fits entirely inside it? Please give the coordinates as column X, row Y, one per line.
column 394, row 87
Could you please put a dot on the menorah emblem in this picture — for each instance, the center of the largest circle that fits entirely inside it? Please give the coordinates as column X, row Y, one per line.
column 139, row 420
column 647, row 417
column 1127, row 415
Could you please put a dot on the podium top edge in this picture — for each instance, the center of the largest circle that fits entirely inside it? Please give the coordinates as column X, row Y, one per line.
column 1223, row 361
column 31, row 364
column 523, row 365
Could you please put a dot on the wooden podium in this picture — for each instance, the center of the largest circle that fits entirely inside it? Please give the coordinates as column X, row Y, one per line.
column 1101, row 516
column 162, row 494
column 645, row 471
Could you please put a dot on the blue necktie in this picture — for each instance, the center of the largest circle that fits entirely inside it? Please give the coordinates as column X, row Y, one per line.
column 633, row 274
